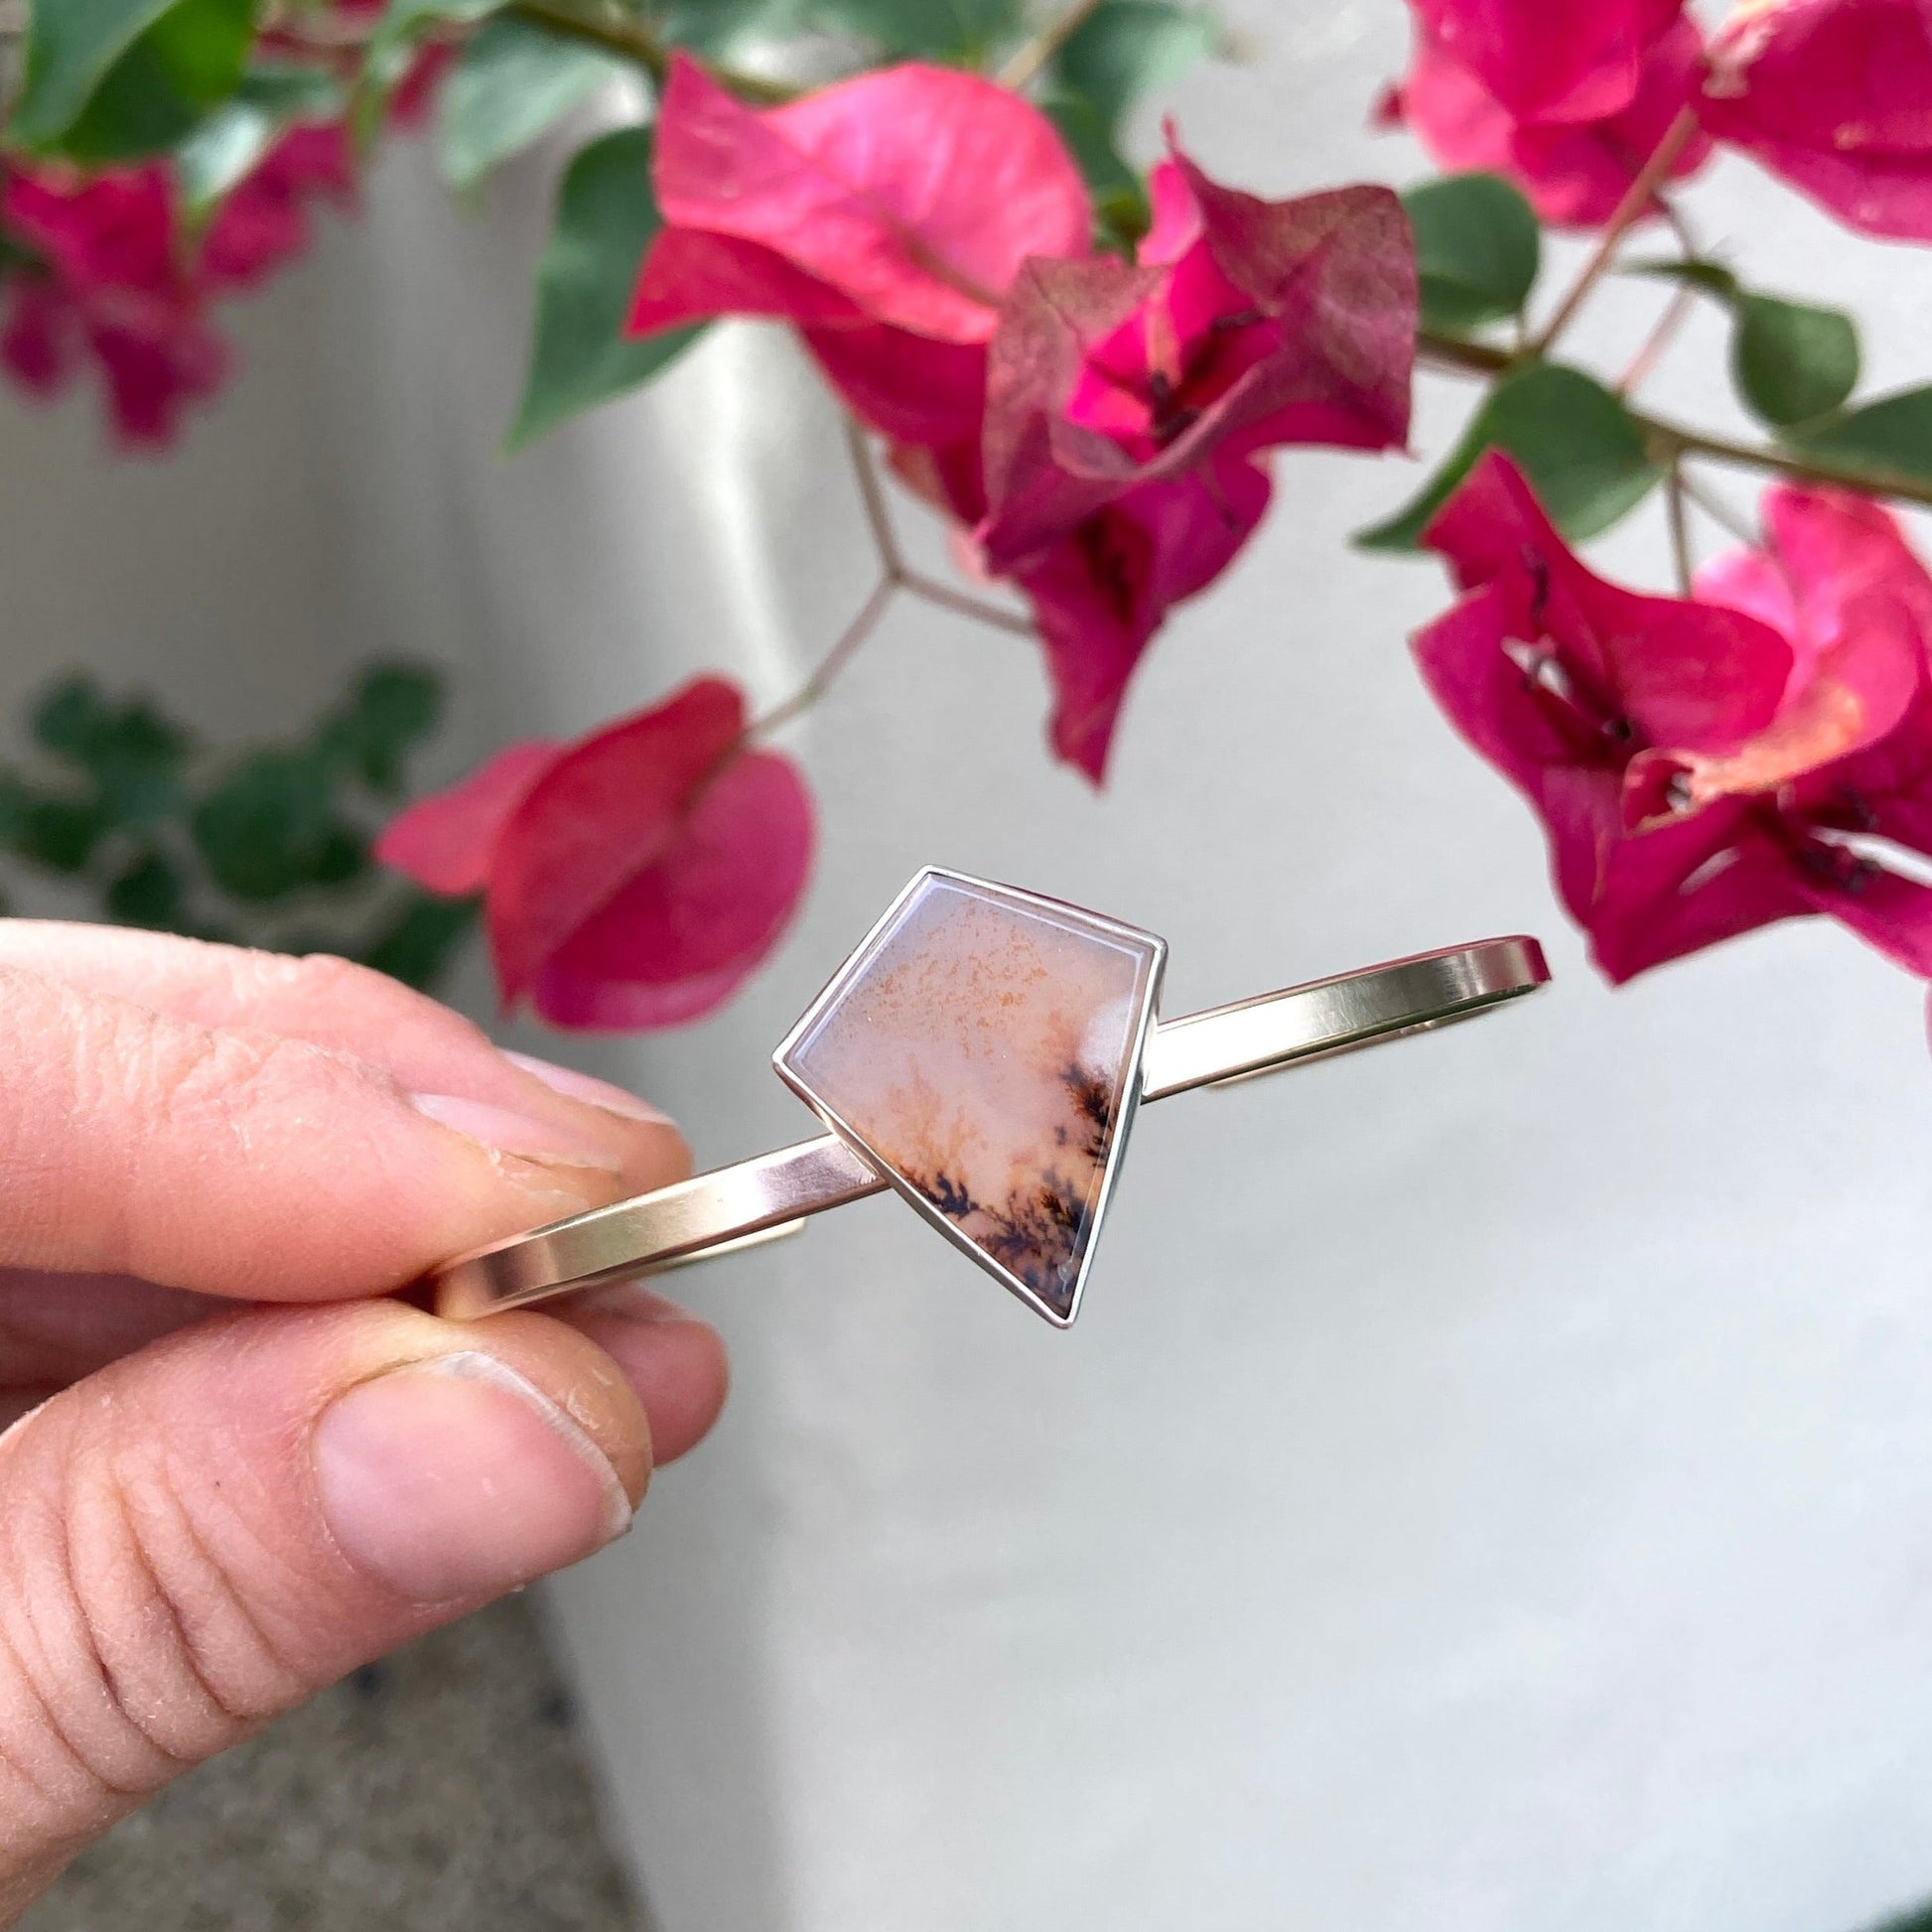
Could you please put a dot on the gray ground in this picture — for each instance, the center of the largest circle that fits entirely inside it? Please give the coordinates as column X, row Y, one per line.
column 441, row 1789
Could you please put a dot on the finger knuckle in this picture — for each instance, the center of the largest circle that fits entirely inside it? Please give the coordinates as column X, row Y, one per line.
column 329, row 980
column 196, row 1079
column 134, row 1645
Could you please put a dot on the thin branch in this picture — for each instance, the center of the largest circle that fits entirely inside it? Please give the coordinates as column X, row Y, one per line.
column 873, row 496
column 831, row 664
column 914, row 584
column 1635, row 204
column 616, row 34
column 1676, row 312
column 1717, row 509
column 1680, row 529
column 1668, row 438
column 1452, row 356
column 894, row 576
column 1027, row 64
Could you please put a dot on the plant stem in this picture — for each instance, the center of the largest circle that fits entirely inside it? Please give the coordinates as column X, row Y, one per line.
column 831, row 664
column 1657, row 341
column 628, row 37
column 1680, row 529
column 1672, row 437
column 932, row 591
column 872, row 496
column 1668, row 438
column 1636, row 202
column 894, row 576
column 1717, row 510
column 1028, row 62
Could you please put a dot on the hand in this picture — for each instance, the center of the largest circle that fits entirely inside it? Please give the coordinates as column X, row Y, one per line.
column 233, row 1471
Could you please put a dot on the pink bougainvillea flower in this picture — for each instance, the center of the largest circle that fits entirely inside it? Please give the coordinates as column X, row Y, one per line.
column 1550, row 59
column 1130, row 408
column 1842, row 773
column 1574, row 171
column 1560, row 679
column 107, row 284
column 633, row 880
column 1707, row 767
column 263, row 221
column 886, row 217
column 1839, row 583
column 1835, row 96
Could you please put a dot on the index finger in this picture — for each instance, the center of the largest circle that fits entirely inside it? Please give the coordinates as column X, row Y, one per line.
column 237, row 1162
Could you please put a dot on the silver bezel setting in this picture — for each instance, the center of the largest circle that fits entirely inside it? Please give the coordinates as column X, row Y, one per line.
column 1076, row 917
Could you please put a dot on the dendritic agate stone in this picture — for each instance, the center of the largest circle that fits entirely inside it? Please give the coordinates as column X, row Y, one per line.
column 981, row 1050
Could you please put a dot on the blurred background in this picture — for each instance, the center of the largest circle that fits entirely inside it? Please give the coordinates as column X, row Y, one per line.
column 1490, row 1483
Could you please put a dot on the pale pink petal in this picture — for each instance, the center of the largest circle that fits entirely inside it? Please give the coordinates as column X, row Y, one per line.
column 1575, row 171
column 690, row 276
column 446, row 842
column 908, row 388
column 1752, row 582
column 1836, row 98
column 1551, row 60
column 916, row 191
column 681, row 936
column 603, row 811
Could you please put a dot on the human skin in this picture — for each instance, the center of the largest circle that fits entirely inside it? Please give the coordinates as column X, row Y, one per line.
column 235, row 1466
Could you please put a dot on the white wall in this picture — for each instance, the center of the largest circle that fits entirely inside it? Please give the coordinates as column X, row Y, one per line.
column 1491, row 1482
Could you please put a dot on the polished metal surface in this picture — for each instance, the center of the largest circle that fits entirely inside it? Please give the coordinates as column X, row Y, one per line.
column 1155, row 949
column 759, row 1198
column 1327, row 1017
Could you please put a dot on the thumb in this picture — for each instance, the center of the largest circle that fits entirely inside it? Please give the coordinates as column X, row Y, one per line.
column 205, row 1533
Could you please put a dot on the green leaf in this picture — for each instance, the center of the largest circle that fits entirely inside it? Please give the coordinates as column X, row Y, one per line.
column 133, row 754
column 1892, row 436
column 70, row 44
column 271, row 828
column 226, row 146
column 514, row 81
column 1714, row 278
column 1126, row 49
column 716, row 26
column 391, row 46
column 965, row 31
column 392, row 708
column 1790, row 362
column 605, row 218
column 1919, row 1919
column 148, row 892
column 59, row 833
column 1478, row 250
column 167, row 81
column 1584, row 456
column 415, row 944
column 1122, row 215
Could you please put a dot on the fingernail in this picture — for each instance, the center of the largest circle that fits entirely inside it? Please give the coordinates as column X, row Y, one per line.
column 512, row 1132
column 573, row 1085
column 458, row 1479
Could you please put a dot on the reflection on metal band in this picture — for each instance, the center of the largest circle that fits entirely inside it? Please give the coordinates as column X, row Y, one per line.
column 759, row 1198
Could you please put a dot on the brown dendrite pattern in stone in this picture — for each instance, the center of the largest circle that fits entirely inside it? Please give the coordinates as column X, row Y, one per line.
column 1039, row 1230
